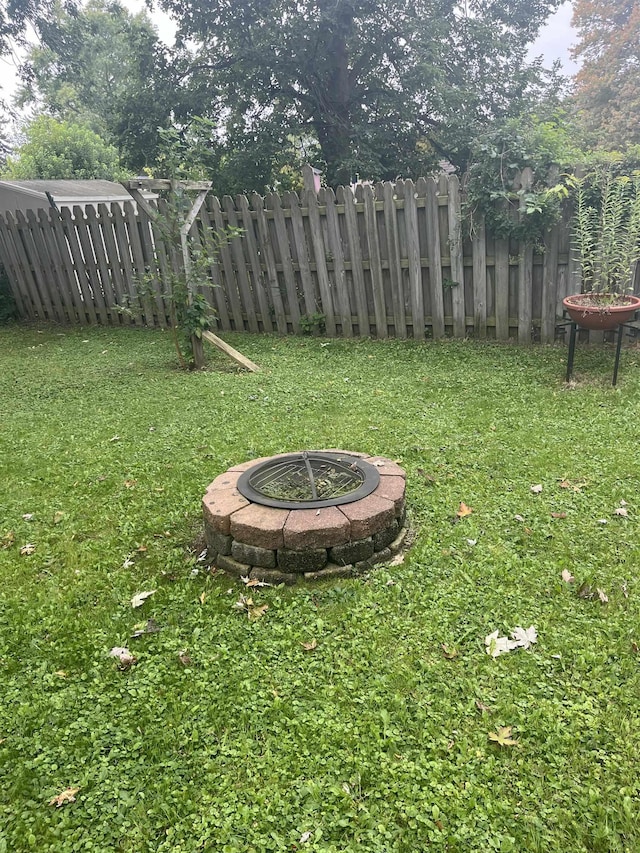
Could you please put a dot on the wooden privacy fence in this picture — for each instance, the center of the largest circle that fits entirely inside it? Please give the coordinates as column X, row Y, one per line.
column 389, row 260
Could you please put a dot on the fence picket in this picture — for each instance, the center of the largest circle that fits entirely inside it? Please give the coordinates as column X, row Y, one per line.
column 274, row 203
column 237, row 253
column 320, row 257
column 266, row 250
column 300, row 246
column 395, row 267
column 327, row 197
column 346, row 198
column 38, row 259
column 251, row 249
column 224, row 251
column 479, row 248
column 375, row 263
column 13, row 267
column 216, row 295
column 456, row 249
column 549, row 288
column 428, row 189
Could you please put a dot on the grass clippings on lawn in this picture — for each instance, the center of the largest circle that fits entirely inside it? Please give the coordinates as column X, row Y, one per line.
column 349, row 717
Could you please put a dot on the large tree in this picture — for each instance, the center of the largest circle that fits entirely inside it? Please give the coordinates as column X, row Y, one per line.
column 607, row 90
column 57, row 150
column 385, row 86
column 106, row 69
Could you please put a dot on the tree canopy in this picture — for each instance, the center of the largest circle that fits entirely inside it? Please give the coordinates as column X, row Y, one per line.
column 382, row 85
column 365, row 88
column 58, row 150
column 608, row 83
column 105, row 69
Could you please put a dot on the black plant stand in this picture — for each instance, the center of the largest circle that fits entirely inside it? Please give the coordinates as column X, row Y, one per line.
column 633, row 331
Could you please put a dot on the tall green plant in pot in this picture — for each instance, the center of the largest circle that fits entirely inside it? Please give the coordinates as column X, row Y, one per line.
column 606, row 239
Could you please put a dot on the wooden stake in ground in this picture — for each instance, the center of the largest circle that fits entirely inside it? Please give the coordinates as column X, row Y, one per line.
column 135, row 188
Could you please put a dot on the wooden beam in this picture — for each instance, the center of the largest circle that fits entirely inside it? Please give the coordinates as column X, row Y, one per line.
column 230, row 351
column 162, row 184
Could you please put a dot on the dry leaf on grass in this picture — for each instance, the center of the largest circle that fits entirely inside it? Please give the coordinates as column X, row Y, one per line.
column 502, row 736
column 621, row 510
column 450, row 652
column 8, row 540
column 66, row 796
column 558, row 515
column 524, row 637
column 536, row 489
column 27, row 550
column 484, row 709
column 602, row 595
column 124, row 657
column 139, row 598
column 463, row 510
column 254, row 611
column 309, row 647
column 567, row 577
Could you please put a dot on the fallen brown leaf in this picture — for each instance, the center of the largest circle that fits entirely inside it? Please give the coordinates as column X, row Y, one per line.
column 502, row 736
column 257, row 612
column 602, row 595
column 484, row 709
column 558, row 515
column 463, row 510
column 8, row 539
column 450, row 652
column 309, row 647
column 567, row 577
column 536, row 489
column 66, row 796
column 27, row 550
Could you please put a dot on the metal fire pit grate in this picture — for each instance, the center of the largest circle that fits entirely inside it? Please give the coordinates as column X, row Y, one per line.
column 308, row 480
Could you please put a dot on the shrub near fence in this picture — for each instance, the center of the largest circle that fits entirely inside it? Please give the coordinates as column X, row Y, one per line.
column 389, row 260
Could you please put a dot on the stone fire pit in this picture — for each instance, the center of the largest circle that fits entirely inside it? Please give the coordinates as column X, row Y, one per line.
column 306, row 539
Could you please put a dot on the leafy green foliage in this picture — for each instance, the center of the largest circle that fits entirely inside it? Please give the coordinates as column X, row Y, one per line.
column 227, row 733
column 513, row 205
column 607, row 91
column 607, row 230
column 383, row 88
column 105, row 69
column 58, row 149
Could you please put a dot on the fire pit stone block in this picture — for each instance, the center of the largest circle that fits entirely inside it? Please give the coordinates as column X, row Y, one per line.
column 259, row 525
column 264, row 558
column 352, row 552
column 309, row 560
column 369, row 515
column 312, row 528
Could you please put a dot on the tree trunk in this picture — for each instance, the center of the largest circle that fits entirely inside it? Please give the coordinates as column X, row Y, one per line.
column 332, row 114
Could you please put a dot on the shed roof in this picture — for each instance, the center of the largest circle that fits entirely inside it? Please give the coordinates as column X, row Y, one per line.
column 70, row 191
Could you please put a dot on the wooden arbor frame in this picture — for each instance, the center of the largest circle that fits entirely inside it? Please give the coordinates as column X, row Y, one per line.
column 134, row 188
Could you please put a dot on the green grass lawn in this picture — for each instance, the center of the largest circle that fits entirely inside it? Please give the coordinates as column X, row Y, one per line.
column 227, row 734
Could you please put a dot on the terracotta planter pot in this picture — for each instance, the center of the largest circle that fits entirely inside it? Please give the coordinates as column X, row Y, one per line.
column 584, row 310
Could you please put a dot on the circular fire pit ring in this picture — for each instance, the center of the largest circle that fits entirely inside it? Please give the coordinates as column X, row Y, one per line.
column 305, row 516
